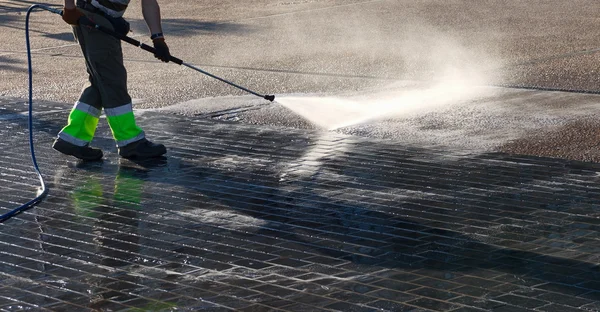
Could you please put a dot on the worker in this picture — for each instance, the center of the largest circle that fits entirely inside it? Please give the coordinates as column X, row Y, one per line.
column 107, row 86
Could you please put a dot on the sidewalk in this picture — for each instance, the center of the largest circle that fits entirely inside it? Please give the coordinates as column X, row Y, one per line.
column 257, row 218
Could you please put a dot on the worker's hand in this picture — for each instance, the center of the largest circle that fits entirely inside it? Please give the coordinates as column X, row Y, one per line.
column 161, row 50
column 72, row 16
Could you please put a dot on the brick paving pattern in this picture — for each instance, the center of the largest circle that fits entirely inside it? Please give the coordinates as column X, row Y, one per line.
column 255, row 218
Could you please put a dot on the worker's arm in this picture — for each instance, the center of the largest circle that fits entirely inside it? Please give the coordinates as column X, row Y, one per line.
column 151, row 13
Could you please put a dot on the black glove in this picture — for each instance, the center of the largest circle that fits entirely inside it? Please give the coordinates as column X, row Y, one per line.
column 161, row 50
column 72, row 16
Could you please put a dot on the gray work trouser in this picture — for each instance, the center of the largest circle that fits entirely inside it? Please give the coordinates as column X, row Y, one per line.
column 107, row 86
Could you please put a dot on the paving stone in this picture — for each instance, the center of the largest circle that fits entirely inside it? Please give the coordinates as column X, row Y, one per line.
column 566, row 300
column 467, row 309
column 476, row 281
column 386, row 305
column 434, row 293
column 595, row 306
column 345, row 306
column 257, row 308
column 393, row 295
column 433, row 304
column 557, row 307
column 508, row 308
column 521, row 301
column 564, row 289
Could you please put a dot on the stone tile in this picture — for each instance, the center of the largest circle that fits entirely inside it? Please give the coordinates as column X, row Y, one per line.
column 467, row 309
column 386, row 305
column 559, row 308
column 433, row 304
column 433, row 293
column 521, row 301
column 482, row 302
column 345, row 306
column 393, row 295
column 565, row 300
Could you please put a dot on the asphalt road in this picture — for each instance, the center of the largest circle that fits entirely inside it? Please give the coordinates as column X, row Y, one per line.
column 347, row 47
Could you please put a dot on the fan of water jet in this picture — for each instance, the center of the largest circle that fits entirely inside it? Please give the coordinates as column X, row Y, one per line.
column 326, row 112
column 335, row 112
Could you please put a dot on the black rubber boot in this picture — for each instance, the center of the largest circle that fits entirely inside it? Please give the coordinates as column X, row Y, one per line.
column 142, row 149
column 82, row 152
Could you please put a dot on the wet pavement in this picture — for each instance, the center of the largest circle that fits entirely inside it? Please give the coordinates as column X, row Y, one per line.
column 242, row 217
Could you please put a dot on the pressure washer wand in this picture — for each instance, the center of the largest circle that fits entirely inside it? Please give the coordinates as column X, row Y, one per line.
column 266, row 97
column 150, row 49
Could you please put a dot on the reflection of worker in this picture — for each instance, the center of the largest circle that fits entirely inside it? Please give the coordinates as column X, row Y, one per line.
column 119, row 220
column 107, row 87
column 116, row 227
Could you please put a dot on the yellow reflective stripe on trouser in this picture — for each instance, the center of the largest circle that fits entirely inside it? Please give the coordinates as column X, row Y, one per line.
column 83, row 121
column 122, row 124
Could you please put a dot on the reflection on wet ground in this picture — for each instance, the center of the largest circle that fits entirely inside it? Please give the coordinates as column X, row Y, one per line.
column 256, row 218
